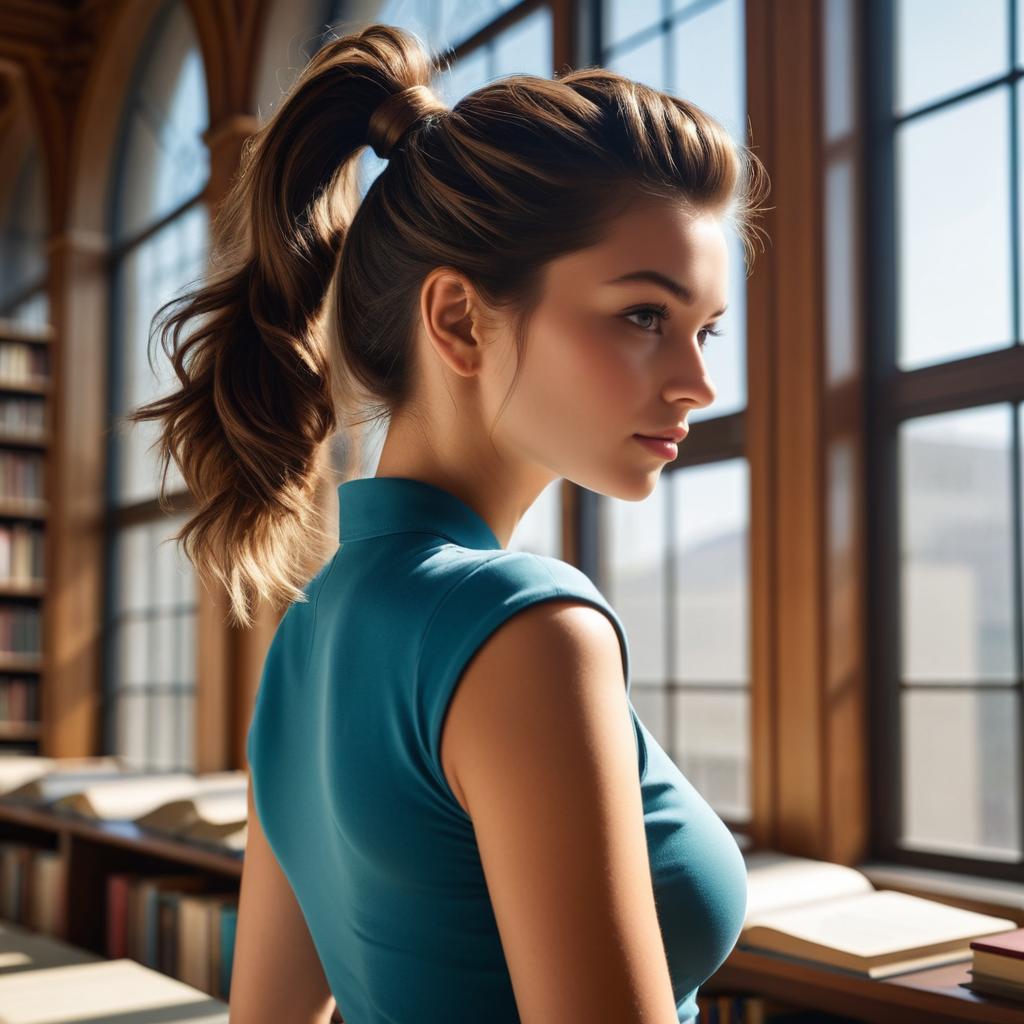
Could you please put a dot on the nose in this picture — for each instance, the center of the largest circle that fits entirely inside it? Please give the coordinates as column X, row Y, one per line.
column 691, row 382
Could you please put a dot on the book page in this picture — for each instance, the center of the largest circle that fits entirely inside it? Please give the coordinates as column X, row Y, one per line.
column 776, row 881
column 880, row 923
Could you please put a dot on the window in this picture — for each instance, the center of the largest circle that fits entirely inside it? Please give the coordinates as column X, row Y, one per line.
column 675, row 565
column 159, row 227
column 947, row 396
column 24, row 225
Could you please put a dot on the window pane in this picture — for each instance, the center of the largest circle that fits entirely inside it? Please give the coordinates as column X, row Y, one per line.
column 954, row 232
column 956, row 547
column 711, row 572
column 839, row 106
column 165, row 160
column 525, row 48
column 624, row 18
column 944, row 46
column 33, row 311
column 652, row 702
column 633, row 552
column 961, row 772
column 153, row 615
column 710, row 63
column 644, row 63
column 440, row 24
column 150, row 273
column 540, row 529
column 23, row 228
column 711, row 748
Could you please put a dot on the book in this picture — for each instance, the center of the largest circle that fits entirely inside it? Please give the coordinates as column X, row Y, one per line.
column 18, row 770
column 208, row 815
column 994, row 987
column 133, row 797
column 831, row 914
column 1000, row 958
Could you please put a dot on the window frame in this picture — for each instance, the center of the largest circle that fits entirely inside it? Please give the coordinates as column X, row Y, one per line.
column 896, row 396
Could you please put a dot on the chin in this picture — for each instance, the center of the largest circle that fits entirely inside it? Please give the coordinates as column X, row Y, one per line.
column 625, row 486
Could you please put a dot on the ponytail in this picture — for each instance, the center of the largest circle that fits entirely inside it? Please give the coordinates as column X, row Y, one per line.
column 254, row 402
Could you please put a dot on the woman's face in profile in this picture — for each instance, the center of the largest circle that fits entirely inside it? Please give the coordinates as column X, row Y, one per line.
column 610, row 355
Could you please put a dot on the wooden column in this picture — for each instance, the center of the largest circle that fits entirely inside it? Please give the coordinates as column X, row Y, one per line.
column 73, row 623
column 805, row 447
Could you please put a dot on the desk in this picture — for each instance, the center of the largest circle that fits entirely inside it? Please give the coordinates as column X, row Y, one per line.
column 76, row 985
column 931, row 996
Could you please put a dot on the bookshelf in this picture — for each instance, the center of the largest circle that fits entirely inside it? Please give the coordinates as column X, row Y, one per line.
column 25, row 365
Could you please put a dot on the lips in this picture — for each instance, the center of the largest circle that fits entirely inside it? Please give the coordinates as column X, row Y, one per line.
column 675, row 434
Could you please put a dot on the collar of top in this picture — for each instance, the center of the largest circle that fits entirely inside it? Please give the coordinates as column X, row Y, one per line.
column 378, row 505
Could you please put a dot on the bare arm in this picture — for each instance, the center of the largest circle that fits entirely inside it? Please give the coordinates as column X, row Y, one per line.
column 538, row 745
column 276, row 974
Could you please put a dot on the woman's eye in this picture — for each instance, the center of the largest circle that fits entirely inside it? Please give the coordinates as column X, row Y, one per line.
column 661, row 312
column 649, row 311
column 712, row 332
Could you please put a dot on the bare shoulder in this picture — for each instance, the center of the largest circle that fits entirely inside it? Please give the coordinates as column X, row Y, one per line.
column 512, row 672
column 538, row 745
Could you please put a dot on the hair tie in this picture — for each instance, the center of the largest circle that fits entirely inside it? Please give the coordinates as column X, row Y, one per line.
column 395, row 115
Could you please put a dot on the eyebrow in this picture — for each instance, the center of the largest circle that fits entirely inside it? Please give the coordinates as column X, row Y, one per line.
column 680, row 291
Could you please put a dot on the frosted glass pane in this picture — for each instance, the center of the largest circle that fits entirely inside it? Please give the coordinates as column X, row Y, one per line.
column 956, row 547
column 712, row 748
column 961, row 773
column 711, row 572
column 953, row 255
column 633, row 553
column 945, row 46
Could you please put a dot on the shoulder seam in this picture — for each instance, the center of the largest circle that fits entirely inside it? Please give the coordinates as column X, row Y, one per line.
column 425, row 632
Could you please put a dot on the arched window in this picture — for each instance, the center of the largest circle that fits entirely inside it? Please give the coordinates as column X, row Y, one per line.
column 676, row 564
column 158, row 224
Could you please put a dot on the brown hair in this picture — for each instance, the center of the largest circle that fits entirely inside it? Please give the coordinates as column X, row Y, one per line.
column 517, row 173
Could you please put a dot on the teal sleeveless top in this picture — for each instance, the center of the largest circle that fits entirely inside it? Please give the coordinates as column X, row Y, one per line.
column 344, row 756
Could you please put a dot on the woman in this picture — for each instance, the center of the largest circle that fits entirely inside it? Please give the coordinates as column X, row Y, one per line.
column 455, row 813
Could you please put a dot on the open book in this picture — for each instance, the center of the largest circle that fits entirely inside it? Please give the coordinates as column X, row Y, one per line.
column 832, row 915
column 19, row 771
column 135, row 796
column 214, row 815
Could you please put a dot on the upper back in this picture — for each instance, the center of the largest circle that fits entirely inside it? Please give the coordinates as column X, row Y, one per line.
column 345, row 753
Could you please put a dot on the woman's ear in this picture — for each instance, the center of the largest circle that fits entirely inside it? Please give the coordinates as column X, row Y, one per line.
column 450, row 311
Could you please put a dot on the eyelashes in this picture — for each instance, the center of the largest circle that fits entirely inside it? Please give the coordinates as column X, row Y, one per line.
column 662, row 312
